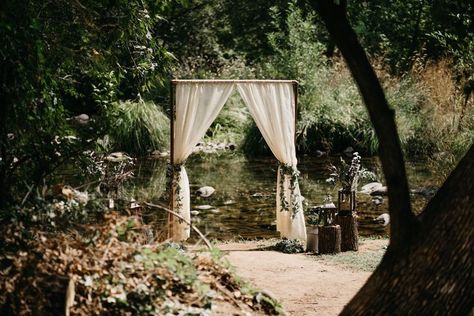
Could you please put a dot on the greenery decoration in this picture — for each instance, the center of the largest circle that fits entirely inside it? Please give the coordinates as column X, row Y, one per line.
column 173, row 175
column 291, row 171
column 347, row 176
column 289, row 246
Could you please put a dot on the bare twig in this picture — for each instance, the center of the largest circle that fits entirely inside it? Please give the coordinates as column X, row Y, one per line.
column 27, row 195
column 208, row 244
column 229, row 295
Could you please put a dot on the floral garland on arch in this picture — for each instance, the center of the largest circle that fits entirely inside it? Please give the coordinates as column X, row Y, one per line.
column 291, row 171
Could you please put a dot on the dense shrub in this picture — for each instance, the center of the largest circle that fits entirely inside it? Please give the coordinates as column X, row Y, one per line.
column 137, row 127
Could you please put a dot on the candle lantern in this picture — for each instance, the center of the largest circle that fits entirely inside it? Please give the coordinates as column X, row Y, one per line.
column 346, row 202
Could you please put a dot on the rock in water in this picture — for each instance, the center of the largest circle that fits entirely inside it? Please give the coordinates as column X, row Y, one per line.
column 205, row 192
column 203, row 207
column 377, row 200
column 383, row 219
column 117, row 157
column 348, row 151
column 82, row 119
column 371, row 187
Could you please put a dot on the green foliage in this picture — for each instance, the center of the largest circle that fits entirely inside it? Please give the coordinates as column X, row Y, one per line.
column 331, row 114
column 400, row 31
column 64, row 58
column 230, row 124
column 137, row 127
column 289, row 246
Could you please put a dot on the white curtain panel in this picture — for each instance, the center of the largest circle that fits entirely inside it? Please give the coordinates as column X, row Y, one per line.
column 197, row 106
column 271, row 105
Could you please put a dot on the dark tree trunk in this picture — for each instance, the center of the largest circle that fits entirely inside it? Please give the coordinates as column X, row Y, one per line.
column 428, row 268
column 312, row 243
column 349, row 232
column 381, row 116
column 434, row 273
column 329, row 239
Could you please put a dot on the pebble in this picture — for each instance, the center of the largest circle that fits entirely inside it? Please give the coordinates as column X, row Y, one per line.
column 205, row 191
column 371, row 187
column 203, row 207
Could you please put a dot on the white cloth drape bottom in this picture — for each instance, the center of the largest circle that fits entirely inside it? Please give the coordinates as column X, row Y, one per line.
column 291, row 225
column 178, row 229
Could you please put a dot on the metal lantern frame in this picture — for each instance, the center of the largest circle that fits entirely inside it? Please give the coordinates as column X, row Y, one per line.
column 346, row 197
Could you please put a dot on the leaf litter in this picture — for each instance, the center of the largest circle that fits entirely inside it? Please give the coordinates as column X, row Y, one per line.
column 107, row 268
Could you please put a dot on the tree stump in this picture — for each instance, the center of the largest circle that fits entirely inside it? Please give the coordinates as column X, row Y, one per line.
column 349, row 232
column 312, row 240
column 329, row 239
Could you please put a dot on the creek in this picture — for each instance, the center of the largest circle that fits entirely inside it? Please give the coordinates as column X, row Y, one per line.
column 243, row 205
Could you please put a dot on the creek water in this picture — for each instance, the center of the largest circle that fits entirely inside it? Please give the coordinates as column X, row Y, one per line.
column 243, row 205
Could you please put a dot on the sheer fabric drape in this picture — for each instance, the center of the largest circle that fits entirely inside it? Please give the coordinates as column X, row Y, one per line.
column 197, row 106
column 272, row 107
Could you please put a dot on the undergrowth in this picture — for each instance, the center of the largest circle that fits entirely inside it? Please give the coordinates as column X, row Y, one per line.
column 366, row 260
column 108, row 268
column 137, row 127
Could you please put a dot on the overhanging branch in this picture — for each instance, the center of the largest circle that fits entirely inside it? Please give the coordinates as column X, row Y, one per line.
column 382, row 117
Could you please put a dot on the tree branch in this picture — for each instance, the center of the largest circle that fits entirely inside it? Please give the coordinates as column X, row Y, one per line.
column 383, row 118
column 208, row 244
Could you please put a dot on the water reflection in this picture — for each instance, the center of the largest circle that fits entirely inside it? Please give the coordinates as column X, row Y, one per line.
column 244, row 202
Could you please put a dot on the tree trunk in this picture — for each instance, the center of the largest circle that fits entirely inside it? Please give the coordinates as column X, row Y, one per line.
column 434, row 273
column 428, row 268
column 349, row 232
column 329, row 239
column 381, row 115
column 312, row 242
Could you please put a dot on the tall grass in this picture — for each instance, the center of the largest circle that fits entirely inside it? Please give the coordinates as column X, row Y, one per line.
column 137, row 127
column 452, row 112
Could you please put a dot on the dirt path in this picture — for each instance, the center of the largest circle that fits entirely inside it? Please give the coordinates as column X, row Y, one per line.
column 304, row 284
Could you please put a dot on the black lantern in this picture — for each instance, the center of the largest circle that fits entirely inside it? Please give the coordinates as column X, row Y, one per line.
column 346, row 202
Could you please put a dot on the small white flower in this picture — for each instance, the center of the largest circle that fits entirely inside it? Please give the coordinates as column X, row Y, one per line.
column 88, row 281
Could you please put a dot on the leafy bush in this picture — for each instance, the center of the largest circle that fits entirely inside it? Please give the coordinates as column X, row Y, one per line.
column 137, row 127
column 289, row 246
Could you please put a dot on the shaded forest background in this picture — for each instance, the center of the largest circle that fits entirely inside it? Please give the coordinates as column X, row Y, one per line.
column 113, row 60
column 85, row 88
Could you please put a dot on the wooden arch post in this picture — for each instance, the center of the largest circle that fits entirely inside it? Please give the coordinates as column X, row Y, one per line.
column 171, row 166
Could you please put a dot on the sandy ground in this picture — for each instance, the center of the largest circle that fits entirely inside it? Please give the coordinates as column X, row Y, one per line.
column 303, row 284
